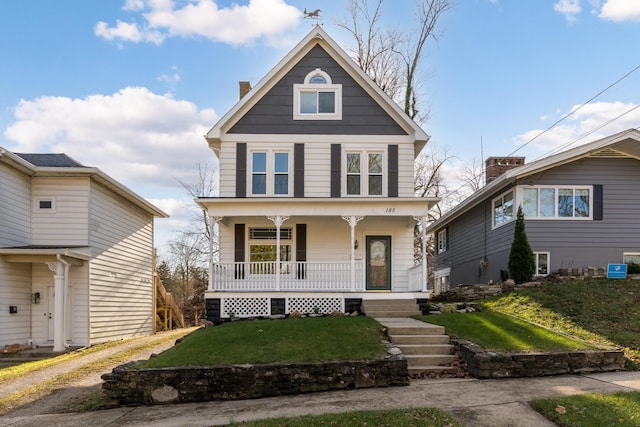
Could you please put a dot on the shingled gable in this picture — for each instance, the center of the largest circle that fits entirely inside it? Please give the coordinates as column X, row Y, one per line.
column 622, row 144
column 318, row 43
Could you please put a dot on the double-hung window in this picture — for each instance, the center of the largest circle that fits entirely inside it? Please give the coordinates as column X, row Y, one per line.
column 559, row 202
column 503, row 209
column 442, row 240
column 270, row 173
column 542, row 263
column 263, row 250
column 364, row 173
column 317, row 98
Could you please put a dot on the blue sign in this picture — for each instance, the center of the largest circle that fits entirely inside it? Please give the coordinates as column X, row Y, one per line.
column 617, row 271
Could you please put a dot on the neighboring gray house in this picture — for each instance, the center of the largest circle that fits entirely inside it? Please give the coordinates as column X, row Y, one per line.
column 317, row 206
column 581, row 210
column 76, row 254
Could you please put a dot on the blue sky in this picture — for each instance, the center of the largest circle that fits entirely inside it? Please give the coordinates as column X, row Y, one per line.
column 130, row 86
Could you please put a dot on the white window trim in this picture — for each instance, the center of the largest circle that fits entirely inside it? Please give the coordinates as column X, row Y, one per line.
column 270, row 172
column 625, row 260
column 548, row 254
column 38, row 209
column 364, row 174
column 555, row 217
column 442, row 240
column 493, row 213
column 317, row 87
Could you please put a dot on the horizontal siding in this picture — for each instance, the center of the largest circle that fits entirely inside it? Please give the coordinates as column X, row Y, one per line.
column 121, row 275
column 317, row 170
column 406, row 170
column 273, row 113
column 227, row 169
column 15, row 289
column 15, row 207
column 68, row 225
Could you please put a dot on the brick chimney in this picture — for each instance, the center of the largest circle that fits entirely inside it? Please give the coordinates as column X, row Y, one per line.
column 496, row 166
column 245, row 87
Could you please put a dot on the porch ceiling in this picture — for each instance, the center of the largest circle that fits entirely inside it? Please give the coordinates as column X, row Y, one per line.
column 30, row 254
column 409, row 207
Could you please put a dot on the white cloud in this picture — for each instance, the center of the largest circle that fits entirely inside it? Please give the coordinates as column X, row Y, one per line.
column 569, row 8
column 134, row 135
column 621, row 10
column 591, row 122
column 236, row 24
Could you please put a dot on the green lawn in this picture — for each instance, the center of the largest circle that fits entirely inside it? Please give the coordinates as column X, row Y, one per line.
column 496, row 331
column 286, row 340
column 423, row 417
column 594, row 410
column 602, row 311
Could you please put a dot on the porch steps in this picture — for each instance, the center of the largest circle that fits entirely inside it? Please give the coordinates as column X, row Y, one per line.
column 425, row 346
column 390, row 308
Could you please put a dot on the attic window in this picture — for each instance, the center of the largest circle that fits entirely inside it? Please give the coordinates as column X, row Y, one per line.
column 317, row 98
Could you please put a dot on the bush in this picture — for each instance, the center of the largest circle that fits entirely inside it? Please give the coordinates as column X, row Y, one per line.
column 633, row 268
column 522, row 265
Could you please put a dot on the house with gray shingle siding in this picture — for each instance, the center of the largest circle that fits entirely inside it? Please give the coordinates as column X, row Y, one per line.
column 317, row 208
column 581, row 212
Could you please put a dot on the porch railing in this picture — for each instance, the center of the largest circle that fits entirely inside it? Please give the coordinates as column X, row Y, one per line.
column 415, row 278
column 294, row 276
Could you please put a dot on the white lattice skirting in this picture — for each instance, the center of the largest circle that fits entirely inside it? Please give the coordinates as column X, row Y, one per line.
column 261, row 306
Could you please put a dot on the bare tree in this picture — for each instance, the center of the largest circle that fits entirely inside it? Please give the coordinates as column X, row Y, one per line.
column 205, row 186
column 391, row 57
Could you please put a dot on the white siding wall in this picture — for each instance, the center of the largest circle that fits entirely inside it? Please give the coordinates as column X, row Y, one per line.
column 15, row 289
column 15, row 207
column 317, row 164
column 406, row 167
column 121, row 275
column 68, row 223
column 227, row 169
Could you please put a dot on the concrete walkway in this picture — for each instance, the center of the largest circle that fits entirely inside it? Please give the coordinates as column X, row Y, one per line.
column 474, row 402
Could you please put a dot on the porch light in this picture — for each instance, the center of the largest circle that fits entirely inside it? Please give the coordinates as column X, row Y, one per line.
column 355, row 245
column 35, row 298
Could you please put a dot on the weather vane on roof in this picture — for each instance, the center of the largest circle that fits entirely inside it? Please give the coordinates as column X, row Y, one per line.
column 313, row 14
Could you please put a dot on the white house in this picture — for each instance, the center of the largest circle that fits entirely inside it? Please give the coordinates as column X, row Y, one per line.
column 317, row 208
column 76, row 254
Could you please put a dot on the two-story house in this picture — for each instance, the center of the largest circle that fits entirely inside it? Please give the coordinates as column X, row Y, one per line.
column 580, row 208
column 316, row 210
column 76, row 254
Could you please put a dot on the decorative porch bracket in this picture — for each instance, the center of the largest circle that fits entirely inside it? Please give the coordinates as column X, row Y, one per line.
column 212, row 224
column 423, row 223
column 278, row 221
column 353, row 221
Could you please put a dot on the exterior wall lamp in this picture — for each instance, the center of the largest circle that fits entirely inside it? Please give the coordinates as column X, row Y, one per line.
column 355, row 245
column 36, row 298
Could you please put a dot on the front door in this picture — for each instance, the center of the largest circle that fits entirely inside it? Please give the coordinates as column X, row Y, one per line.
column 378, row 263
column 49, row 314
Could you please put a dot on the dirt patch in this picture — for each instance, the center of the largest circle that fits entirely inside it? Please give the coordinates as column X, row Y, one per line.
column 74, row 383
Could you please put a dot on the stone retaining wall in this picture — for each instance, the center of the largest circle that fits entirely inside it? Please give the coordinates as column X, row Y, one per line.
column 484, row 364
column 128, row 385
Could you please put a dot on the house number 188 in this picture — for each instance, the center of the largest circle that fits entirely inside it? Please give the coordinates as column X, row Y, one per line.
column 391, row 210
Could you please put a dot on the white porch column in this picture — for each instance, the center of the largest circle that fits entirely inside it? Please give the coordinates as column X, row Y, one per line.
column 58, row 320
column 212, row 225
column 278, row 221
column 423, row 224
column 353, row 221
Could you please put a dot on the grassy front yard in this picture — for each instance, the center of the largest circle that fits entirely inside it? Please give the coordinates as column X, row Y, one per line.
column 496, row 331
column 268, row 341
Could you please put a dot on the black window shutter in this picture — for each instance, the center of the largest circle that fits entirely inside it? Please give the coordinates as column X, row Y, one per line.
column 597, row 202
column 301, row 250
column 336, row 157
column 239, row 250
column 298, row 170
column 393, row 171
column 446, row 238
column 241, row 169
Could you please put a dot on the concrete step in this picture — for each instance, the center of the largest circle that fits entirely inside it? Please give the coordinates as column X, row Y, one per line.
column 391, row 313
column 390, row 308
column 417, row 370
column 415, row 360
column 420, row 339
column 427, row 329
column 427, row 349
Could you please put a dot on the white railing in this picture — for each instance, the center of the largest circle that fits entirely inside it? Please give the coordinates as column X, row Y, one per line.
column 294, row 276
column 416, row 282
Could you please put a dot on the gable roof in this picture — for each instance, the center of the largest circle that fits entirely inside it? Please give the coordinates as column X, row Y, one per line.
column 317, row 36
column 625, row 144
column 34, row 164
column 59, row 160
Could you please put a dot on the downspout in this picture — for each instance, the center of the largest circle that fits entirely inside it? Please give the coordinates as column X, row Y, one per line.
column 65, row 286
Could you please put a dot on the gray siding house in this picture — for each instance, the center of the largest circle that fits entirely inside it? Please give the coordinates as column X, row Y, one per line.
column 316, row 209
column 581, row 210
